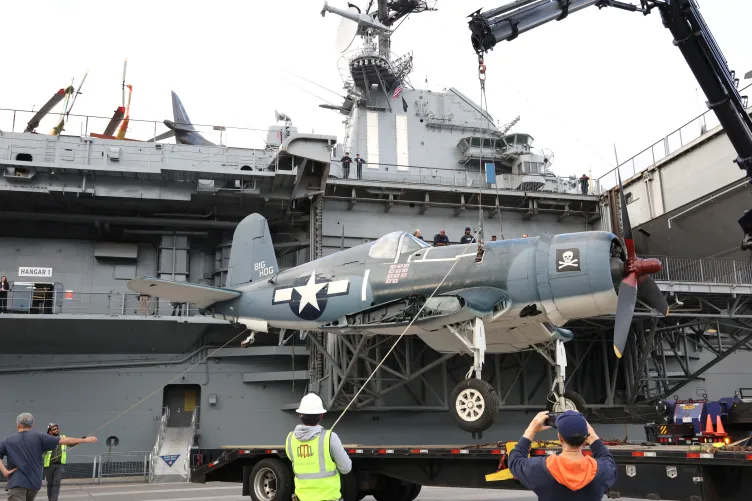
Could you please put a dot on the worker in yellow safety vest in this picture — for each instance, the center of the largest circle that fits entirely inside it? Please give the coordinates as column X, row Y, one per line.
column 54, row 464
column 317, row 455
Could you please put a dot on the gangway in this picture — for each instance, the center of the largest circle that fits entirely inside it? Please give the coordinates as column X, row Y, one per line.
column 170, row 460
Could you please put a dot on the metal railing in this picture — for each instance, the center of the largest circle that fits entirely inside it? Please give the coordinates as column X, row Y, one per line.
column 469, row 177
column 704, row 270
column 92, row 303
column 663, row 148
column 158, row 444
column 187, row 455
column 114, row 466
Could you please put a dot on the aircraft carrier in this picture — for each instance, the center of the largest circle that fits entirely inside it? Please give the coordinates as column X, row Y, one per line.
column 83, row 214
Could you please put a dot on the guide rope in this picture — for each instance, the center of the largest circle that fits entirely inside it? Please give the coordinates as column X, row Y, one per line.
column 363, row 386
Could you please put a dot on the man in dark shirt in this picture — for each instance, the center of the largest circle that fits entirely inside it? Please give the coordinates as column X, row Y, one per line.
column 346, row 162
column 584, row 180
column 569, row 475
column 24, row 451
column 440, row 239
column 467, row 238
column 359, row 164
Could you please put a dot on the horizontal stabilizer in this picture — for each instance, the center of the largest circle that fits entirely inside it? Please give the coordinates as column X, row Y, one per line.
column 200, row 295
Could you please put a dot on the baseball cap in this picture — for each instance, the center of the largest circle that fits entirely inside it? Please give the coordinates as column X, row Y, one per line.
column 51, row 426
column 467, row 228
column 570, row 424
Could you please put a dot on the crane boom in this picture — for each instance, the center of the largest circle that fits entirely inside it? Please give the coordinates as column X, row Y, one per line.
column 691, row 35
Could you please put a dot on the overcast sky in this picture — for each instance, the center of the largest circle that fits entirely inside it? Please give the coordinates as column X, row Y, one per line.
column 597, row 78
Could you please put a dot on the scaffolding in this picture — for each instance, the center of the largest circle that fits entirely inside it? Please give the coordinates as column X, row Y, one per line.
column 710, row 318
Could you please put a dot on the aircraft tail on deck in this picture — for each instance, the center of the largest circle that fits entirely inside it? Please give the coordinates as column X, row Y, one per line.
column 179, row 115
column 252, row 255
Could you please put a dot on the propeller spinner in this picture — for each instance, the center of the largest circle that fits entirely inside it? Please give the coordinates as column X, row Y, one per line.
column 637, row 273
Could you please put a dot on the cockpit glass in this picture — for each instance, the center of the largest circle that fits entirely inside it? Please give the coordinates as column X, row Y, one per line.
column 411, row 244
column 386, row 246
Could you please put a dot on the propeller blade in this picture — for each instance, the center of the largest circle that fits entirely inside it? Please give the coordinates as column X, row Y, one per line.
column 647, row 286
column 626, row 226
column 624, row 310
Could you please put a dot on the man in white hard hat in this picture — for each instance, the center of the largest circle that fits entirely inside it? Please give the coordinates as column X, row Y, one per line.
column 317, row 455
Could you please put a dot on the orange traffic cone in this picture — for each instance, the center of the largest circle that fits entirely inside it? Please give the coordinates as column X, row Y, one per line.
column 719, row 426
column 709, row 426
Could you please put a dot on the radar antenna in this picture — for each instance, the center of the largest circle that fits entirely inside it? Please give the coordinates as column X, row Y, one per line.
column 548, row 157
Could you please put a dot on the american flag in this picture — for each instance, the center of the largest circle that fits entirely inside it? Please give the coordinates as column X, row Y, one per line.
column 397, row 90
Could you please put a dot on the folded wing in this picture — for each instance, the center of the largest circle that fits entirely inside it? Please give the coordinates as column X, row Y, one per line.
column 200, row 295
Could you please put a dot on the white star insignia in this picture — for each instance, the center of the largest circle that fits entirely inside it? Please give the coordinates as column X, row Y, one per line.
column 308, row 292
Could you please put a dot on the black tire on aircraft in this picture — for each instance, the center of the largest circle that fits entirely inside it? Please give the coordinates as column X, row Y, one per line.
column 573, row 397
column 474, row 405
column 414, row 494
column 271, row 480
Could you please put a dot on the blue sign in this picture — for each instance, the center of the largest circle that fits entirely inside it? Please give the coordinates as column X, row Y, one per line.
column 491, row 173
column 170, row 459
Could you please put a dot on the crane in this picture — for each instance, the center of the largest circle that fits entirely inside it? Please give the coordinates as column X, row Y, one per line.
column 691, row 35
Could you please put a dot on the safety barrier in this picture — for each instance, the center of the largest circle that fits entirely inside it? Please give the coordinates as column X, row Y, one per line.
column 704, row 270
column 120, row 466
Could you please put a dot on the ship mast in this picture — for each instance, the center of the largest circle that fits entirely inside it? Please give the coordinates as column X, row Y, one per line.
column 385, row 40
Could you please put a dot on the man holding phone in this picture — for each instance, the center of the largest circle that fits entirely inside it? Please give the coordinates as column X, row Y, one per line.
column 569, row 475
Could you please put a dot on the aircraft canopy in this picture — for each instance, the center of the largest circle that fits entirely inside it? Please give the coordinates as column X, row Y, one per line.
column 393, row 244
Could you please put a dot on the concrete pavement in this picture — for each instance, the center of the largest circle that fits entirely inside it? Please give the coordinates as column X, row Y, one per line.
column 219, row 491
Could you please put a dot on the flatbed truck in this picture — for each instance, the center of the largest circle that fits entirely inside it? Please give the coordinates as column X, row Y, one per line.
column 706, row 472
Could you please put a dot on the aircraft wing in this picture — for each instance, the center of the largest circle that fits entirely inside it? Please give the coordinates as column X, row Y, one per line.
column 200, row 295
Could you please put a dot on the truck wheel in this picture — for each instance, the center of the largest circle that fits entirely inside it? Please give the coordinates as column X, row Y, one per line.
column 349, row 487
column 414, row 493
column 474, row 405
column 392, row 489
column 271, row 480
column 573, row 401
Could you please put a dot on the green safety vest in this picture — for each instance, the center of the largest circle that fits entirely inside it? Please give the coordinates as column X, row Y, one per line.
column 316, row 474
column 47, row 456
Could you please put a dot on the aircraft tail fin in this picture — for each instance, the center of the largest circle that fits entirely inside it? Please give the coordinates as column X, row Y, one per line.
column 252, row 255
column 179, row 115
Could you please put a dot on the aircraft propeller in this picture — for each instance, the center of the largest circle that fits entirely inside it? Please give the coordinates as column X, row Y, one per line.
column 637, row 277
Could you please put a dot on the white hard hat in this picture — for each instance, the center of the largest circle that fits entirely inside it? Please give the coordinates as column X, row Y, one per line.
column 311, row 404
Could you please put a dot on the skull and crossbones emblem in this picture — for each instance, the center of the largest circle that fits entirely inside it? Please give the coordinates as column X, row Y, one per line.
column 568, row 260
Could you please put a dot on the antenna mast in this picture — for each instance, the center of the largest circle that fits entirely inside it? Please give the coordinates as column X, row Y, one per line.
column 385, row 41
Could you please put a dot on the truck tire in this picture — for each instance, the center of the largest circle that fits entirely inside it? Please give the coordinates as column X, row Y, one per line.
column 574, row 402
column 349, row 487
column 474, row 405
column 271, row 480
column 414, row 493
column 392, row 489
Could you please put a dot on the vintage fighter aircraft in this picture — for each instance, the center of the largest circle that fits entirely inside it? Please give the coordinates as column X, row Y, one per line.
column 498, row 297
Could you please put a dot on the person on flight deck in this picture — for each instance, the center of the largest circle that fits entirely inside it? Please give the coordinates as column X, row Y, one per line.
column 359, row 164
column 54, row 464
column 316, row 479
column 524, row 235
column 569, row 475
column 493, row 238
column 584, row 183
column 417, row 235
column 346, row 162
column 440, row 239
column 467, row 238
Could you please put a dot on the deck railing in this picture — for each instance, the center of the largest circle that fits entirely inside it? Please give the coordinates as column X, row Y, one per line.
column 704, row 270
column 92, row 303
column 664, row 147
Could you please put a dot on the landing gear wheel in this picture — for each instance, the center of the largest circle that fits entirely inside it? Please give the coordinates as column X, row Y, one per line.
column 474, row 405
column 414, row 494
column 573, row 402
column 270, row 480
